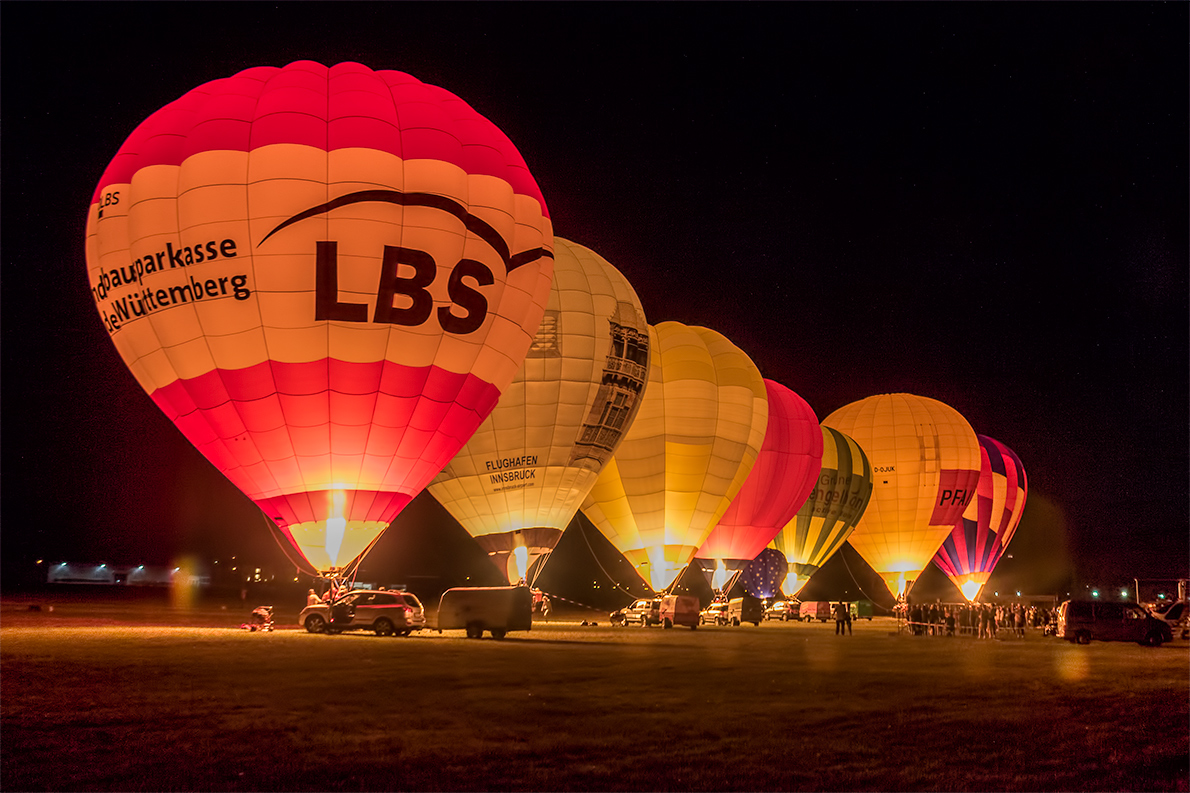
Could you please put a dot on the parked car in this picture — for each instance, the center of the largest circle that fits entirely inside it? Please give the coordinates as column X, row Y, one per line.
column 679, row 610
column 745, row 609
column 383, row 611
column 783, row 610
column 1177, row 616
column 644, row 612
column 714, row 614
column 1081, row 621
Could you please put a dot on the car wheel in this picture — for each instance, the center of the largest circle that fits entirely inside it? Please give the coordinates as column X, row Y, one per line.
column 644, row 623
column 315, row 624
column 474, row 630
column 1154, row 639
column 735, row 622
column 384, row 627
column 666, row 623
column 499, row 633
column 1082, row 637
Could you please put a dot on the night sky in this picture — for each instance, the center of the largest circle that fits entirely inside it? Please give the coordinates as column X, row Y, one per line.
column 983, row 203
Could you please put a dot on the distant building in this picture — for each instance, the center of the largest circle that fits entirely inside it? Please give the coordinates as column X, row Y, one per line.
column 122, row 575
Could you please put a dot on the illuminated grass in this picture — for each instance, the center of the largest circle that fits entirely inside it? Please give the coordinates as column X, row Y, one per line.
column 782, row 706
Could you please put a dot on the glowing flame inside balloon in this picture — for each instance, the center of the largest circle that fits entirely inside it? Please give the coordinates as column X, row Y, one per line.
column 661, row 572
column 971, row 589
column 520, row 556
column 719, row 578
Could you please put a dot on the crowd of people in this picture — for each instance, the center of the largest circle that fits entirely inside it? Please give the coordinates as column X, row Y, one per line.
column 981, row 620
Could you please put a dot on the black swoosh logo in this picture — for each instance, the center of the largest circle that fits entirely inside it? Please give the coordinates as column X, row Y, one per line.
column 475, row 225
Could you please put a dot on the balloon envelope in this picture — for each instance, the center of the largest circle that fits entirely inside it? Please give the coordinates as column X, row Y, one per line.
column 519, row 480
column 835, row 504
column 970, row 554
column 784, row 474
column 764, row 574
column 696, row 437
column 324, row 277
column 925, row 461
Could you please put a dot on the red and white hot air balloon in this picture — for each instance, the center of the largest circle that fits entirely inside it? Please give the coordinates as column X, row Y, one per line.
column 325, row 277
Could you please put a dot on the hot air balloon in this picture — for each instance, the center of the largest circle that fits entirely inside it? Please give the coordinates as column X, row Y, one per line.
column 693, row 442
column 520, row 479
column 784, row 474
column 325, row 277
column 764, row 574
column 969, row 555
column 835, row 504
column 925, row 460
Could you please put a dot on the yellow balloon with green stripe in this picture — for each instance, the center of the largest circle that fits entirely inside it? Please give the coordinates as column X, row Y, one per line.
column 831, row 511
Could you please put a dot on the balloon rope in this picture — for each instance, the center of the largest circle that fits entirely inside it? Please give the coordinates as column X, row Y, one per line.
column 615, row 583
column 541, row 563
column 853, row 578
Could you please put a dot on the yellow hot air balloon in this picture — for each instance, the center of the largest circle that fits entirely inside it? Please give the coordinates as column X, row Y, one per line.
column 695, row 439
column 925, row 463
column 831, row 511
column 520, row 479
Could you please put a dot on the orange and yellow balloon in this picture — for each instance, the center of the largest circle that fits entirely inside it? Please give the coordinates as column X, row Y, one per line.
column 925, row 466
column 325, row 277
column 695, row 439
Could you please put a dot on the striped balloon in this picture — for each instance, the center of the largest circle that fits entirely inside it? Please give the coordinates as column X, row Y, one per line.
column 970, row 554
column 325, row 277
column 834, row 506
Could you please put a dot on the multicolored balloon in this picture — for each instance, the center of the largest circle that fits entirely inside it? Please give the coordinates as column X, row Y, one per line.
column 925, row 459
column 695, row 439
column 520, row 479
column 969, row 555
column 830, row 513
column 784, row 474
column 325, row 277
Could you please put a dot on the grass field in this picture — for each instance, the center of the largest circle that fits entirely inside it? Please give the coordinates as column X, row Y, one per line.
column 102, row 697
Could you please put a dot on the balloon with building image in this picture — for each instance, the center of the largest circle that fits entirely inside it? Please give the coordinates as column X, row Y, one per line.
column 836, row 502
column 325, row 277
column 784, row 474
column 925, row 464
column 975, row 545
column 695, row 438
column 521, row 477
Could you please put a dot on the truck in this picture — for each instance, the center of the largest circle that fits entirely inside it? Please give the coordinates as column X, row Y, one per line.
column 745, row 609
column 861, row 610
column 496, row 609
column 679, row 610
column 816, row 610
